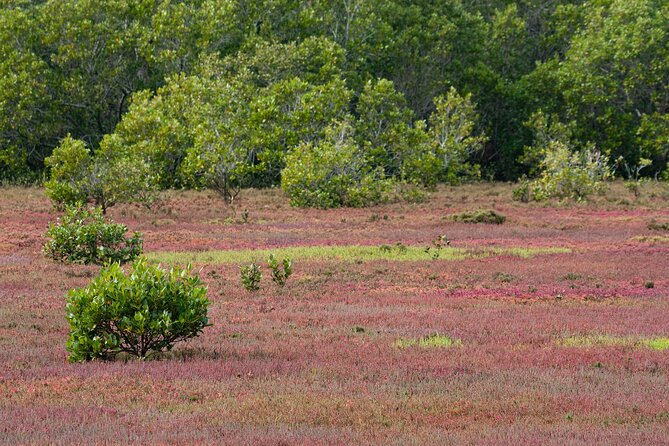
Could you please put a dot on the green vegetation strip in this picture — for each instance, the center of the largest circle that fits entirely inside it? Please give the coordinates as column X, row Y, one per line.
column 344, row 253
column 585, row 341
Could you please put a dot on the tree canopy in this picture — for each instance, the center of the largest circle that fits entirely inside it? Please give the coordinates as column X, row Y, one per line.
column 222, row 93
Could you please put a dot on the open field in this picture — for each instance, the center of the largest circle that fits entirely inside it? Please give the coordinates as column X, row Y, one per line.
column 552, row 328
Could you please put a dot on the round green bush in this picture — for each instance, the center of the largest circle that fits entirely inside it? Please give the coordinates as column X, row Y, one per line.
column 85, row 236
column 141, row 313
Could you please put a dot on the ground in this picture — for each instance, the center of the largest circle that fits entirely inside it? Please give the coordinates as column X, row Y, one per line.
column 551, row 328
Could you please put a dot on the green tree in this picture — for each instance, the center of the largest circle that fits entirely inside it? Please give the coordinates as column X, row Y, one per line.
column 452, row 136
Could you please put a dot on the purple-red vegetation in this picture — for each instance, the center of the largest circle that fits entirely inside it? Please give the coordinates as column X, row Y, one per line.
column 316, row 362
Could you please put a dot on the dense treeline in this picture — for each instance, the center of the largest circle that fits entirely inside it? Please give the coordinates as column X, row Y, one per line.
column 332, row 98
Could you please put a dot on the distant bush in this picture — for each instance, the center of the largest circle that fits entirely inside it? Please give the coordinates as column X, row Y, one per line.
column 563, row 171
column 658, row 226
column 332, row 173
column 141, row 313
column 108, row 178
column 280, row 273
column 85, row 236
column 251, row 276
column 480, row 216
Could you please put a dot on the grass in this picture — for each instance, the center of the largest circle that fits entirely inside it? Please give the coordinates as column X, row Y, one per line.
column 603, row 340
column 352, row 253
column 432, row 341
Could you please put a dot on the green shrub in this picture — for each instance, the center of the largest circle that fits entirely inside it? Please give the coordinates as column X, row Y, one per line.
column 141, row 313
column 564, row 170
column 488, row 217
column 251, row 276
column 333, row 173
column 85, row 236
column 279, row 274
column 108, row 178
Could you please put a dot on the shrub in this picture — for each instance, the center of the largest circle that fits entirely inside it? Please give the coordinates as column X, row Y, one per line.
column 332, row 173
column 279, row 274
column 658, row 226
column 108, row 178
column 142, row 313
column 488, row 217
column 563, row 170
column 251, row 276
column 85, row 236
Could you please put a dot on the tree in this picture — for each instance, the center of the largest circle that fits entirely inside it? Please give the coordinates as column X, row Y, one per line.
column 452, row 135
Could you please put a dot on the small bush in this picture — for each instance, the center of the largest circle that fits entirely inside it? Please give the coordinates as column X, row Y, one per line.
column 85, row 236
column 251, row 276
column 142, row 313
column 488, row 217
column 658, row 226
column 279, row 274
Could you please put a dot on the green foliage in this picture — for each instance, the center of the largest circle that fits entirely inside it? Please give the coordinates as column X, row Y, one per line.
column 480, row 216
column 280, row 273
column 332, row 173
column 216, row 93
column 108, row 178
column 565, row 172
column 83, row 235
column 251, row 276
column 615, row 74
column 451, row 136
column 141, row 313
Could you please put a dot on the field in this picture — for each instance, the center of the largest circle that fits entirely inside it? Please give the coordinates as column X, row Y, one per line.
column 551, row 328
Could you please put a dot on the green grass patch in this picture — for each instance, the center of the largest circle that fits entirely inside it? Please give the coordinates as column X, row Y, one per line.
column 431, row 341
column 599, row 340
column 352, row 253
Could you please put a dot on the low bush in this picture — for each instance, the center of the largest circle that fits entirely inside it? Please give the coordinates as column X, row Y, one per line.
column 658, row 226
column 85, row 236
column 144, row 312
column 487, row 217
column 251, row 276
column 280, row 272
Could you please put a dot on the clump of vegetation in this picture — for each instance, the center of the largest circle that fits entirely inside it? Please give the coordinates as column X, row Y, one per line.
column 83, row 235
column 480, row 216
column 437, row 245
column 108, row 178
column 503, row 277
column 562, row 170
column 431, row 341
column 280, row 272
column 142, row 313
column 658, row 226
column 251, row 276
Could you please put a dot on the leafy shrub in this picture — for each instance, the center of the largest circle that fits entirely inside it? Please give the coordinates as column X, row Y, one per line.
column 332, row 173
column 251, row 276
column 563, row 171
column 108, row 178
column 438, row 244
column 142, row 313
column 279, row 274
column 571, row 175
column 85, row 236
column 488, row 217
